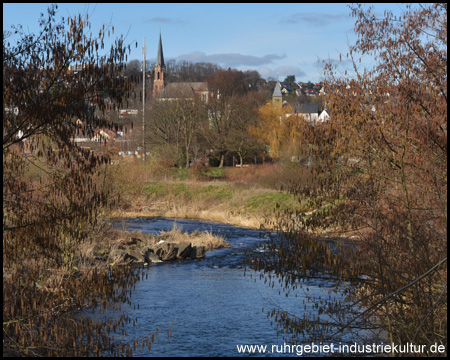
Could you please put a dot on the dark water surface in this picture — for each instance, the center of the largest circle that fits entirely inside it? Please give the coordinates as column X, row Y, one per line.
column 209, row 305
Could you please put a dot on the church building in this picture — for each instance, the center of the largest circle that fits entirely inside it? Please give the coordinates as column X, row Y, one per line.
column 172, row 91
column 277, row 96
column 158, row 82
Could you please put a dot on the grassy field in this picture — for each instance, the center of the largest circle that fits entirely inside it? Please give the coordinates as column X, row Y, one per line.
column 246, row 197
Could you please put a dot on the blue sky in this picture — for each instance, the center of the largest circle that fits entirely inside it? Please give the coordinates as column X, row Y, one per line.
column 275, row 39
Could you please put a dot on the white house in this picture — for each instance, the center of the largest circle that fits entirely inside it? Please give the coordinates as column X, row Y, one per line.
column 324, row 115
column 310, row 112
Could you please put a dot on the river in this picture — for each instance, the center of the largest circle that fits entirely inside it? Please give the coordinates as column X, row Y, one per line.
column 208, row 304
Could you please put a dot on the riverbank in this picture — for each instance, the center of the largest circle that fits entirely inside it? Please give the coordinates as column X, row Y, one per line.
column 251, row 198
column 234, row 203
column 173, row 294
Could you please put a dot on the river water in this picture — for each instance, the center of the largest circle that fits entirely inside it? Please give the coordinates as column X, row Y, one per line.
column 208, row 304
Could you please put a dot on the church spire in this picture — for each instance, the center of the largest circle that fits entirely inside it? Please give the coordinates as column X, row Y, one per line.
column 277, row 96
column 160, row 58
column 158, row 82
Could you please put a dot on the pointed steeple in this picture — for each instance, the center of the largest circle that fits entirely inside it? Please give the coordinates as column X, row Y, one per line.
column 277, row 90
column 160, row 58
column 158, row 82
column 277, row 96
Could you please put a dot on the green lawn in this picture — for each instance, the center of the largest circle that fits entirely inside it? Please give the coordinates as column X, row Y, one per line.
column 226, row 194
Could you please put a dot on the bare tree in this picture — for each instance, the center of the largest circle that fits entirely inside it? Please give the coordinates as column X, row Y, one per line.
column 241, row 140
column 380, row 171
column 174, row 124
column 226, row 87
column 55, row 83
column 185, row 71
column 133, row 70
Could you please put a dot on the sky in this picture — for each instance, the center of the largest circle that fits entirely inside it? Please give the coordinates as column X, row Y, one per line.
column 276, row 40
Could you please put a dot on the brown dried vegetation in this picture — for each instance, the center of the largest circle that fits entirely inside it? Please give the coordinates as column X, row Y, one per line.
column 380, row 170
column 52, row 190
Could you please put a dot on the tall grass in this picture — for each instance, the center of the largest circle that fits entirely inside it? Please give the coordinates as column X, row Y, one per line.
column 248, row 197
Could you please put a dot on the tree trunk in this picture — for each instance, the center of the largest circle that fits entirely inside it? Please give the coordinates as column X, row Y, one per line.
column 222, row 157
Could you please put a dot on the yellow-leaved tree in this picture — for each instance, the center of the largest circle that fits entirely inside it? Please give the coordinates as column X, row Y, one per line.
column 379, row 169
column 278, row 129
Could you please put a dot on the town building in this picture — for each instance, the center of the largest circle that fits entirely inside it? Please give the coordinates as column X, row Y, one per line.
column 310, row 112
column 185, row 90
column 176, row 90
column 277, row 96
column 324, row 115
column 158, row 82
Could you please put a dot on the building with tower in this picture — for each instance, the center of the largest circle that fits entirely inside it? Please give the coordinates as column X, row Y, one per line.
column 160, row 68
column 176, row 90
column 277, row 96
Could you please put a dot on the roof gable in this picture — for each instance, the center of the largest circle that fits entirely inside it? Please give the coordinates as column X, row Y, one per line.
column 306, row 108
column 277, row 90
column 182, row 90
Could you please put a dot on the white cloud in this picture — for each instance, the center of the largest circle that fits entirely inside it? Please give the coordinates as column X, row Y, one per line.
column 317, row 19
column 281, row 72
column 164, row 20
column 231, row 59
